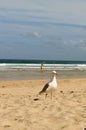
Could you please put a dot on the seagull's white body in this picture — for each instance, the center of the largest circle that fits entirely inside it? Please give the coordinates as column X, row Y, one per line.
column 51, row 86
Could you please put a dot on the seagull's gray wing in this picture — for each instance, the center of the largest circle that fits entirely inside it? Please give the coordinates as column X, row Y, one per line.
column 44, row 88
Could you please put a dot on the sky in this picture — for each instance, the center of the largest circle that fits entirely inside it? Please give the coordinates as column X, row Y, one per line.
column 43, row 29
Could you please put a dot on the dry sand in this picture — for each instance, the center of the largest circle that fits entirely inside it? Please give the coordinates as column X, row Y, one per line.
column 22, row 109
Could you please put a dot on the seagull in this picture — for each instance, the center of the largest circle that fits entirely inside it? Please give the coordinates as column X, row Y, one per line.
column 51, row 86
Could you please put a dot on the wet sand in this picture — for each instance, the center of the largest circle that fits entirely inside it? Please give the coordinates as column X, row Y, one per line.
column 21, row 108
column 36, row 74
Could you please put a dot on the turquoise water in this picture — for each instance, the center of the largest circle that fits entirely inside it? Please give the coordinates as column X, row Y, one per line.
column 21, row 61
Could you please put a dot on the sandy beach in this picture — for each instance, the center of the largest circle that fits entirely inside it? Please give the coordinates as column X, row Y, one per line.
column 21, row 108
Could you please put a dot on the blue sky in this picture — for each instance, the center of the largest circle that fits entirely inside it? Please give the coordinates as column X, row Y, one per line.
column 49, row 29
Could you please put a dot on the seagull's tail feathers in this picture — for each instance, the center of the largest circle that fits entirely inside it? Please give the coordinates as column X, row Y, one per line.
column 40, row 92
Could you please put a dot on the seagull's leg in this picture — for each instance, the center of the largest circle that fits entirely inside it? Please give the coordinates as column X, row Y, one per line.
column 45, row 95
column 51, row 95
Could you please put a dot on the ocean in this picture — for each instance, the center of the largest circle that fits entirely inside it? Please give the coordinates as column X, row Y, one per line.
column 12, row 69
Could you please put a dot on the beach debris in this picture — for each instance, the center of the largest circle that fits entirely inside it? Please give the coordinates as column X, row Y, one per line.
column 35, row 99
column 84, row 128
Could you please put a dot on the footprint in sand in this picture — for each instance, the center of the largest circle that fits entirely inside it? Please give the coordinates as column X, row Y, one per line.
column 3, row 86
column 6, row 126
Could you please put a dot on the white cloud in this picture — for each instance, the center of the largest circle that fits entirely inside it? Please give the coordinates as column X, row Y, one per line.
column 71, row 43
column 30, row 35
column 76, row 43
column 35, row 34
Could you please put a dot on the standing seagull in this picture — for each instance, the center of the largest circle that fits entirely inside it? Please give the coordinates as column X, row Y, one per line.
column 50, row 86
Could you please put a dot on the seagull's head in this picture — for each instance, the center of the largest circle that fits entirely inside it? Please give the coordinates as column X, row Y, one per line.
column 54, row 72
